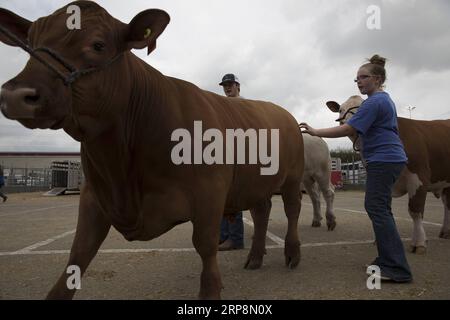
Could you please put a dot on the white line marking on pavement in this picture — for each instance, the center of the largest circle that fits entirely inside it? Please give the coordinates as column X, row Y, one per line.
column 37, row 210
column 363, row 212
column 269, row 234
column 396, row 218
column 279, row 242
column 44, row 243
column 112, row 251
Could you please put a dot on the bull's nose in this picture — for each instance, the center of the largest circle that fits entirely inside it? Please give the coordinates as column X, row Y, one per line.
column 19, row 103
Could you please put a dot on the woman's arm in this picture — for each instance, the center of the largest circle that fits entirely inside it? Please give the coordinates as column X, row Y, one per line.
column 335, row 132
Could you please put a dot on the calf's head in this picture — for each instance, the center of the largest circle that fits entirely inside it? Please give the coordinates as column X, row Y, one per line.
column 43, row 96
column 347, row 109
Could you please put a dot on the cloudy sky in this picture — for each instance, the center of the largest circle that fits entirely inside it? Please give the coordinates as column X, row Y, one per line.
column 296, row 53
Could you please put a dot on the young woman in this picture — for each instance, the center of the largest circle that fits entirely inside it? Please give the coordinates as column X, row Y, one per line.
column 376, row 124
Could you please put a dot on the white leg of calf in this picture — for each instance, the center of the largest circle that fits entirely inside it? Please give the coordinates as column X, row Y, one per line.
column 329, row 199
column 314, row 194
column 445, row 231
column 419, row 238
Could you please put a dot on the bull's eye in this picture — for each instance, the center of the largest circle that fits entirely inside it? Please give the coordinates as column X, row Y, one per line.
column 99, row 46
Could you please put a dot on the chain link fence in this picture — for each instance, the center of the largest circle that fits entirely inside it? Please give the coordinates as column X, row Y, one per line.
column 19, row 180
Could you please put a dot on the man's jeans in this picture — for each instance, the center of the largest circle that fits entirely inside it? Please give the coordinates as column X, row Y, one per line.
column 233, row 230
column 391, row 253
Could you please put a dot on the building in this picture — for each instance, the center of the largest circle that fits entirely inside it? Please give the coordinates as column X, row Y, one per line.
column 33, row 160
column 335, row 164
column 354, row 172
column 32, row 171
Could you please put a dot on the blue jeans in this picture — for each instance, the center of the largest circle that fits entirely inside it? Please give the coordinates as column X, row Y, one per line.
column 391, row 253
column 2, row 195
column 233, row 230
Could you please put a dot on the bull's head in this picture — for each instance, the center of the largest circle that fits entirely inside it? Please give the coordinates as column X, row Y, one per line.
column 347, row 109
column 72, row 75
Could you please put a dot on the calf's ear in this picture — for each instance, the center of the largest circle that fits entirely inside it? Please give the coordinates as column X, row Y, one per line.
column 14, row 24
column 333, row 106
column 145, row 28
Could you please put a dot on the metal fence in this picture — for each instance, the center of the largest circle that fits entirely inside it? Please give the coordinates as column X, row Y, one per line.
column 27, row 179
column 354, row 180
column 356, row 177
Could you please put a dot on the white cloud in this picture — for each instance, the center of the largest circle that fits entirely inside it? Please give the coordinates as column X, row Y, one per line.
column 298, row 54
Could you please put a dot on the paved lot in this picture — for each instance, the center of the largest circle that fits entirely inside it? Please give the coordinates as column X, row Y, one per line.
column 36, row 233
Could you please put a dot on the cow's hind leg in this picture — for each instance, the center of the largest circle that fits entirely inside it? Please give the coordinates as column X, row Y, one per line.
column 416, row 209
column 445, row 231
column 328, row 194
column 92, row 229
column 291, row 195
column 312, row 189
column 260, row 215
column 206, row 240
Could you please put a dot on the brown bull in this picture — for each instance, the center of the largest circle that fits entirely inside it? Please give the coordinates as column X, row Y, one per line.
column 124, row 113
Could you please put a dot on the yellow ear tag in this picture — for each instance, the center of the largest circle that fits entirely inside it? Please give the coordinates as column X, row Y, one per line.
column 148, row 33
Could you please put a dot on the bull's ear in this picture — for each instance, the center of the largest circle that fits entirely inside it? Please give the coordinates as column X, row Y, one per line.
column 14, row 24
column 145, row 28
column 333, row 106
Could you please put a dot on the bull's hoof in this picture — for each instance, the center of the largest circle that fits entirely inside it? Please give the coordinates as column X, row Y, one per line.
column 214, row 296
column 444, row 234
column 292, row 257
column 253, row 263
column 420, row 250
column 331, row 225
column 316, row 224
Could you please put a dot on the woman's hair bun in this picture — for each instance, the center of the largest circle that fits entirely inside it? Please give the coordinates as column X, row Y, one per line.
column 378, row 60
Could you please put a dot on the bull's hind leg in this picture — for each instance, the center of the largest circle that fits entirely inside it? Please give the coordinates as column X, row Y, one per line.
column 416, row 208
column 260, row 215
column 445, row 231
column 291, row 195
column 92, row 230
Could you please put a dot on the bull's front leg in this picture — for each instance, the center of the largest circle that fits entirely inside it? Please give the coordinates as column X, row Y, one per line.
column 416, row 207
column 206, row 241
column 92, row 229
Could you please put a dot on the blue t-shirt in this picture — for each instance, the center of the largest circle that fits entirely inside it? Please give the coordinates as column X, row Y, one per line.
column 376, row 124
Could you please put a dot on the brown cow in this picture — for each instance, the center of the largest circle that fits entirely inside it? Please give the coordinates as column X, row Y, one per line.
column 124, row 113
column 427, row 145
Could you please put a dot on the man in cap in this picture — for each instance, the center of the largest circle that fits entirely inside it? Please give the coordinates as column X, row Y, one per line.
column 2, row 183
column 231, row 232
column 231, row 85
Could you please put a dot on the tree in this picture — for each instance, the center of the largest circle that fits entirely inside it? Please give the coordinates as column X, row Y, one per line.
column 346, row 155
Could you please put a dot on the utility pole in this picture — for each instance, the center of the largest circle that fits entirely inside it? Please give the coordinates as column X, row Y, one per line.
column 410, row 109
column 353, row 167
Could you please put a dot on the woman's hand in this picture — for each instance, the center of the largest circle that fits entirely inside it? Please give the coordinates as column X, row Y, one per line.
column 305, row 128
